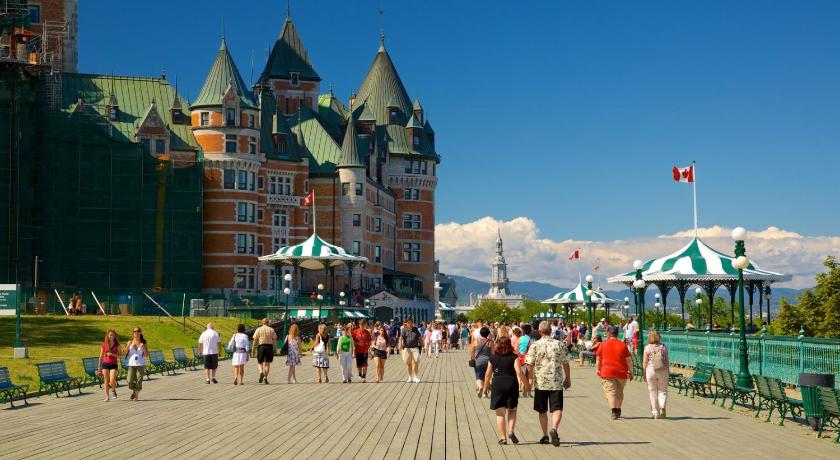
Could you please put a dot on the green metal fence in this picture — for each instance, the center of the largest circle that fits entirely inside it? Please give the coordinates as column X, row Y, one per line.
column 781, row 357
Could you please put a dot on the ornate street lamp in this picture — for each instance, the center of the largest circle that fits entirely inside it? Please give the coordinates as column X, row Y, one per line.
column 639, row 286
column 286, row 290
column 767, row 297
column 589, row 294
column 606, row 308
column 740, row 263
column 656, row 306
column 320, row 299
column 699, row 303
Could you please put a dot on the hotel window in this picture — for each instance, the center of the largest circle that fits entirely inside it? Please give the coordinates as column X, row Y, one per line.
column 279, row 219
column 204, row 118
column 230, row 117
column 416, row 140
column 251, row 121
column 393, row 116
column 411, row 221
column 245, row 212
column 411, row 194
column 252, row 181
column 357, row 220
column 357, row 248
column 425, row 167
column 34, row 14
column 246, row 278
column 278, row 243
column 345, row 188
column 280, row 185
column 411, row 252
column 242, row 179
column 229, row 179
column 230, row 143
column 359, row 189
column 244, row 243
column 306, row 217
column 377, row 225
column 377, row 253
column 260, row 183
column 252, row 145
column 295, row 78
column 260, row 216
column 259, row 249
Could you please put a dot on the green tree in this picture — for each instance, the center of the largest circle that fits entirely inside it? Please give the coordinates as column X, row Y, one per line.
column 487, row 311
column 818, row 311
column 787, row 321
column 462, row 318
column 530, row 308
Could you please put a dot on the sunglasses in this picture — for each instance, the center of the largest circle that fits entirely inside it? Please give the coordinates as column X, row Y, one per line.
column 137, row 330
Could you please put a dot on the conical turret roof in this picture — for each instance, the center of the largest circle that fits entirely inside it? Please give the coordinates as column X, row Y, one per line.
column 382, row 87
column 222, row 75
column 349, row 148
column 289, row 55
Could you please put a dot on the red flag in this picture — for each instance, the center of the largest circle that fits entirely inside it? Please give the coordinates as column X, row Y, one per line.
column 575, row 254
column 684, row 174
column 308, row 199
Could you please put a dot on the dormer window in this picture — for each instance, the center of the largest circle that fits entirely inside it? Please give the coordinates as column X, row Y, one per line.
column 160, row 146
column 393, row 116
column 113, row 113
column 177, row 117
column 230, row 117
column 416, row 140
column 204, row 119
column 295, row 77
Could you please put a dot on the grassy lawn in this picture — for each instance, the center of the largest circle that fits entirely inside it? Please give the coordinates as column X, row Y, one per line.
column 70, row 338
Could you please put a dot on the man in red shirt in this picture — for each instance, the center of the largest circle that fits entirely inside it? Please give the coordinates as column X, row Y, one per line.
column 361, row 342
column 615, row 366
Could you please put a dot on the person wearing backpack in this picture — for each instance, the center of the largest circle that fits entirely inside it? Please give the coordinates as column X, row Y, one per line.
column 344, row 351
column 656, row 366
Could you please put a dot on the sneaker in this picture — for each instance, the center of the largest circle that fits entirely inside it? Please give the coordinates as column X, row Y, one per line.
column 364, row 379
column 416, row 379
column 544, row 440
column 114, row 394
column 410, row 379
column 106, row 399
column 555, row 438
column 262, row 376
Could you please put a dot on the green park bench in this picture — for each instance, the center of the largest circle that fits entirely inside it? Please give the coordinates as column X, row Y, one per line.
column 9, row 391
column 726, row 387
column 699, row 382
column 181, row 358
column 91, row 366
column 54, row 378
column 159, row 363
column 197, row 358
column 771, row 395
column 830, row 400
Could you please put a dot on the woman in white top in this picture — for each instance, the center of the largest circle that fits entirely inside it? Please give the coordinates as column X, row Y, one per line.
column 656, row 364
column 136, row 352
column 238, row 345
column 436, row 338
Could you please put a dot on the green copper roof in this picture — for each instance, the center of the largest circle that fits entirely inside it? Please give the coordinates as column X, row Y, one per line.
column 417, row 105
column 350, row 148
column 383, row 88
column 332, row 113
column 223, row 74
column 273, row 123
column 413, row 123
column 364, row 113
column 317, row 144
column 134, row 96
column 289, row 55
column 400, row 144
column 427, row 127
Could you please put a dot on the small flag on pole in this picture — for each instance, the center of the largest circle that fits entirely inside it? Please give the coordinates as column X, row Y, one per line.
column 308, row 199
column 575, row 254
column 684, row 174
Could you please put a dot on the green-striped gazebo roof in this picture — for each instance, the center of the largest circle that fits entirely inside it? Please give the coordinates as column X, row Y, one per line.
column 324, row 312
column 696, row 261
column 577, row 296
column 312, row 254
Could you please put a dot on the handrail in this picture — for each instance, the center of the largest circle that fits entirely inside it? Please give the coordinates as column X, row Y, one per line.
column 170, row 316
column 61, row 301
column 98, row 304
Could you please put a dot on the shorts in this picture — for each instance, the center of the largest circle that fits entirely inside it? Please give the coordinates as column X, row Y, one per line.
column 480, row 371
column 410, row 355
column 265, row 353
column 381, row 354
column 110, row 367
column 361, row 359
column 613, row 388
column 548, row 400
column 211, row 361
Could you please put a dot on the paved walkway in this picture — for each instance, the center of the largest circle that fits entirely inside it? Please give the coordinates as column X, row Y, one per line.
column 182, row 417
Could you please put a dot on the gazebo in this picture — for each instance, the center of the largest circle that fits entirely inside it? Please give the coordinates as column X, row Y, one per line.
column 577, row 297
column 313, row 254
column 698, row 264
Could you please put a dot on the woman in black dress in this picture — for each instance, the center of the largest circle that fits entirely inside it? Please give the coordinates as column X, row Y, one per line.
column 504, row 391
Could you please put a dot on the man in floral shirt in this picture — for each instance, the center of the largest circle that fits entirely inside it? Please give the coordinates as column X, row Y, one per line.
column 548, row 362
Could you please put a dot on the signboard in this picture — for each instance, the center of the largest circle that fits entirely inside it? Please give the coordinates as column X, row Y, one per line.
column 9, row 299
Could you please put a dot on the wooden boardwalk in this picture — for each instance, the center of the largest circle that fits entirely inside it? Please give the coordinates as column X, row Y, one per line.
column 182, row 417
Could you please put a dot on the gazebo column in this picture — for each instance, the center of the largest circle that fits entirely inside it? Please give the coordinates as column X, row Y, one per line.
column 751, row 293
column 733, row 290
column 297, row 276
column 682, row 288
column 664, row 289
column 711, row 288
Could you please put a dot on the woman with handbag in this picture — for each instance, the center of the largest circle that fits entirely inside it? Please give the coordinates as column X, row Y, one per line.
column 136, row 352
column 479, row 358
column 380, row 352
column 655, row 372
column 321, row 353
column 292, row 344
column 108, row 366
column 238, row 345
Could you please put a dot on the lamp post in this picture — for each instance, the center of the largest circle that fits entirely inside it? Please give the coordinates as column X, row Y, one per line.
column 626, row 309
column 320, row 299
column 697, row 292
column 287, row 278
column 639, row 285
column 699, row 303
column 740, row 263
column 767, row 297
column 656, row 306
column 589, row 294
column 606, row 307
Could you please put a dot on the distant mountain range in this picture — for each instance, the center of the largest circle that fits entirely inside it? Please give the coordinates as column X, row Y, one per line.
column 539, row 291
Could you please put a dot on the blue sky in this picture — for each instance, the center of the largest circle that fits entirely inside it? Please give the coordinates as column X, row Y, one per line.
column 561, row 111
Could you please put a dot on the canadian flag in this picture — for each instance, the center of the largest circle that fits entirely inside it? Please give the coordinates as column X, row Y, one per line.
column 308, row 199
column 575, row 254
column 684, row 174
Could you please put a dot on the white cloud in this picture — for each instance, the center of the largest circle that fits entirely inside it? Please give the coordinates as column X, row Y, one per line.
column 467, row 249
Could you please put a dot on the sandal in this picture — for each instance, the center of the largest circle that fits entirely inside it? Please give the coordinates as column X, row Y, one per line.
column 513, row 438
column 503, row 441
column 544, row 440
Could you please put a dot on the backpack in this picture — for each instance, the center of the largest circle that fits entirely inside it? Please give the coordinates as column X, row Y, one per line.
column 657, row 358
column 344, row 343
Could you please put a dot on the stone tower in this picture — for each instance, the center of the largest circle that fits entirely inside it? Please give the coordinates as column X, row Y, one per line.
column 498, row 271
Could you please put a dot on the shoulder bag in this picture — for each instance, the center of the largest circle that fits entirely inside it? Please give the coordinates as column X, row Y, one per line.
column 471, row 363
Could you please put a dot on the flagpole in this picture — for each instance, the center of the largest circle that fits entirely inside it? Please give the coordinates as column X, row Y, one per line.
column 694, row 187
column 314, row 220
